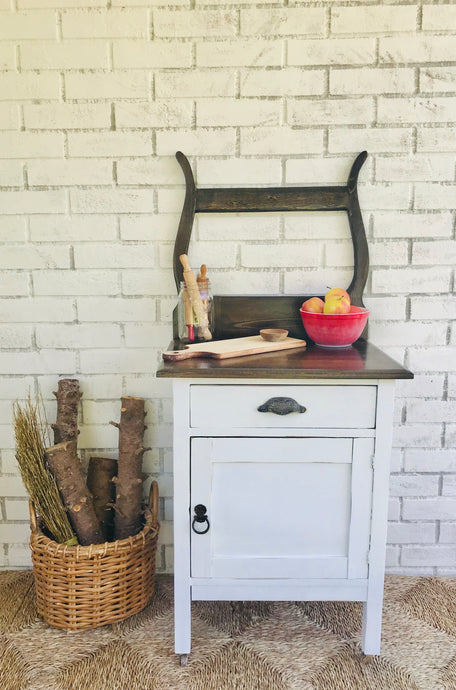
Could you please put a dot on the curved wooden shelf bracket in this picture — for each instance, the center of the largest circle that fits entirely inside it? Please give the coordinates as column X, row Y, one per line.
column 235, row 313
column 184, row 230
column 354, row 172
column 358, row 234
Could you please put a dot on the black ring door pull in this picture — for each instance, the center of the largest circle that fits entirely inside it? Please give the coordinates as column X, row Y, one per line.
column 281, row 406
column 201, row 518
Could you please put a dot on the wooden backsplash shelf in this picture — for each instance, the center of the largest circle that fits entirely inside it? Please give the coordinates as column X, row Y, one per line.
column 237, row 316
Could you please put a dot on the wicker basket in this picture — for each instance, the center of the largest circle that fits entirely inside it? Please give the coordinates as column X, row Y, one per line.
column 80, row 587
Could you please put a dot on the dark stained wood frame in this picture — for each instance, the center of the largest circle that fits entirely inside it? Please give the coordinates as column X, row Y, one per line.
column 242, row 315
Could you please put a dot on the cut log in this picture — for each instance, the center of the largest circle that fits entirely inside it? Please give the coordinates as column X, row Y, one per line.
column 66, row 468
column 68, row 396
column 100, row 475
column 128, row 512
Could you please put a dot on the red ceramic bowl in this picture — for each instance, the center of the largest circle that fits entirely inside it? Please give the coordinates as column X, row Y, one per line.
column 335, row 330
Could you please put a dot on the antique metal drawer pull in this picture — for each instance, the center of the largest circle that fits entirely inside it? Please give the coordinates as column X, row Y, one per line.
column 201, row 517
column 281, row 406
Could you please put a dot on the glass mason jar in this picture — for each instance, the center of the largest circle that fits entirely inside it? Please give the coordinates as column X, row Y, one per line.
column 189, row 329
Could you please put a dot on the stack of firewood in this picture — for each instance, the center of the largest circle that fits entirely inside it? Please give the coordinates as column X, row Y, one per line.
column 107, row 505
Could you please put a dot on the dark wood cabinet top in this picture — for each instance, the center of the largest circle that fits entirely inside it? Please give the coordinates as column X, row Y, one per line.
column 360, row 361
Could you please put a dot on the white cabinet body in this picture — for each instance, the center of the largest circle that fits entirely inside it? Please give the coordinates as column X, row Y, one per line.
column 289, row 506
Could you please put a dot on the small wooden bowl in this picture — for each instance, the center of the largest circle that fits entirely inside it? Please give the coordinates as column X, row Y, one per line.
column 273, row 335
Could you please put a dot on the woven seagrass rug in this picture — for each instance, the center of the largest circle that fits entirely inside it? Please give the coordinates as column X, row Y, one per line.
column 236, row 645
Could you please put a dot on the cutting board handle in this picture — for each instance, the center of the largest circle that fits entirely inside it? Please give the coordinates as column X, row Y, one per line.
column 178, row 355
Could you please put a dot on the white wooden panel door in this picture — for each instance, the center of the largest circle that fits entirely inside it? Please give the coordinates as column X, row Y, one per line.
column 281, row 507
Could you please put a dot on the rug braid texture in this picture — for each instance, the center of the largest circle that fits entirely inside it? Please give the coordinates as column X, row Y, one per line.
column 236, row 645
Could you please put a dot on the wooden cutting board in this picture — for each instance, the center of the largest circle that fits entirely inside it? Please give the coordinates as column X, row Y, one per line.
column 233, row 347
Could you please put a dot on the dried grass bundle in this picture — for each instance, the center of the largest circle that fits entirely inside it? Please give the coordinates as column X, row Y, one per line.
column 31, row 441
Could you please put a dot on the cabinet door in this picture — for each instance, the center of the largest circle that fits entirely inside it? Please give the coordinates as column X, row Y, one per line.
column 281, row 507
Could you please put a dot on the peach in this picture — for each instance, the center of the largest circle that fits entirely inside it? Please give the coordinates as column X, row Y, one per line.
column 337, row 293
column 337, row 301
column 337, row 305
column 314, row 304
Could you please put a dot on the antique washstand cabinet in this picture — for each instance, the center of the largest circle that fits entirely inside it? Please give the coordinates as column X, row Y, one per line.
column 288, row 503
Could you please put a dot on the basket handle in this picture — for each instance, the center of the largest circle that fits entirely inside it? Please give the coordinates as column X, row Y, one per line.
column 33, row 520
column 153, row 501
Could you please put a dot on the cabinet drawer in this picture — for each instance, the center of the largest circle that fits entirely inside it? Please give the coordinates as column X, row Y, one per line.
column 234, row 406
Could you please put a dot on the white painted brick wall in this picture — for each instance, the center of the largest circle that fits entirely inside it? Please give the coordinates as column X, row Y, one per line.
column 95, row 99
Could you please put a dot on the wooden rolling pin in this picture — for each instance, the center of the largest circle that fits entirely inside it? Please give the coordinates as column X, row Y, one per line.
column 195, row 298
column 202, row 279
column 189, row 317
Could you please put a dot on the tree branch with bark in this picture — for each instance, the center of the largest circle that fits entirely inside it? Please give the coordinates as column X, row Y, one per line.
column 128, row 506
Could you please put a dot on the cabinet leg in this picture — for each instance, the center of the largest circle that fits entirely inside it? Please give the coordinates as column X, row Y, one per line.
column 372, row 627
column 183, row 659
column 182, row 618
